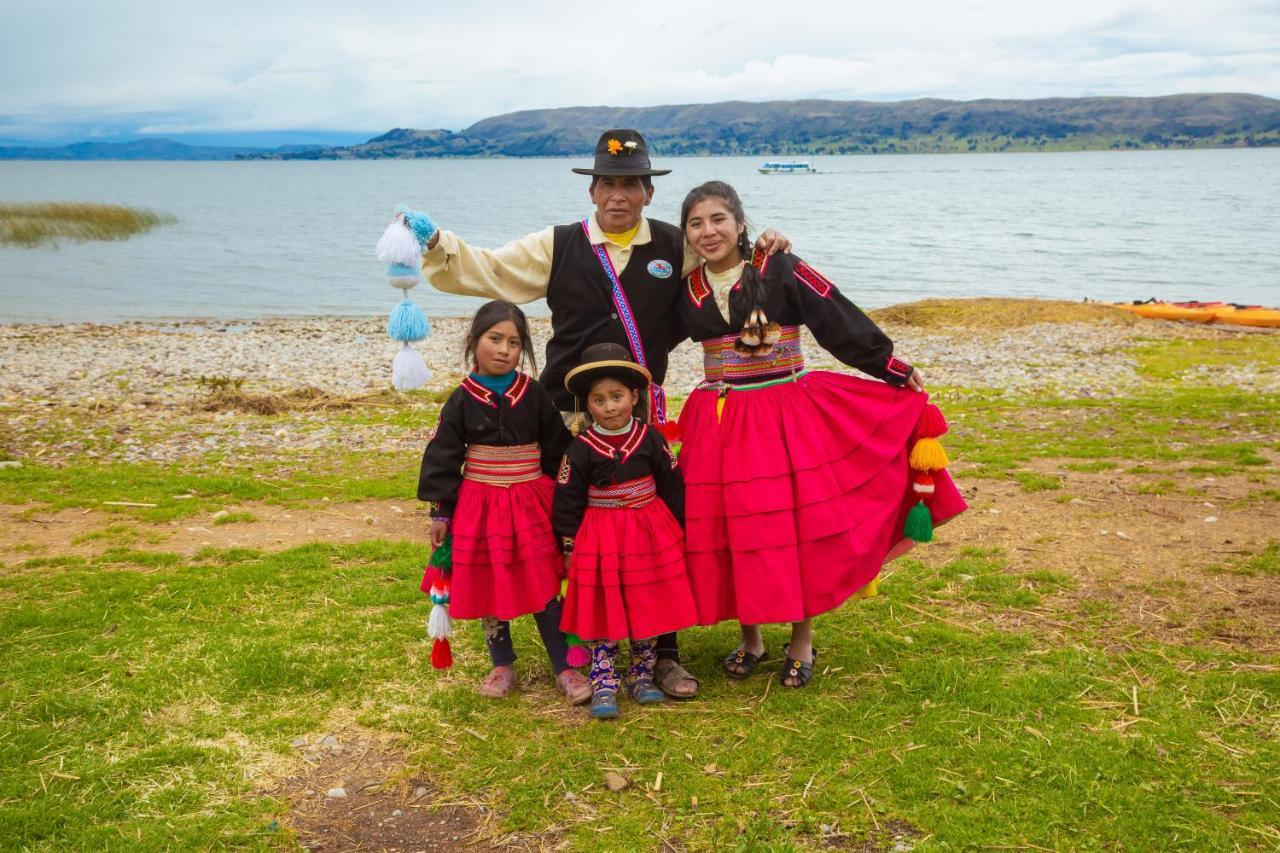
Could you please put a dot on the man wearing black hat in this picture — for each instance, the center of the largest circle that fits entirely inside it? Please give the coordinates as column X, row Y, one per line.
column 612, row 277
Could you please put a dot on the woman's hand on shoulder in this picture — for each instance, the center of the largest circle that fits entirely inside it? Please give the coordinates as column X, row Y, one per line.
column 439, row 529
column 770, row 241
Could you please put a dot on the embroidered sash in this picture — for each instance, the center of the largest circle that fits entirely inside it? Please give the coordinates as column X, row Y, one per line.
column 627, row 495
column 657, row 395
column 502, row 465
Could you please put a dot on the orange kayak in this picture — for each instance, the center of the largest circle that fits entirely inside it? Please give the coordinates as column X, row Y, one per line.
column 1207, row 312
column 1263, row 317
column 1167, row 311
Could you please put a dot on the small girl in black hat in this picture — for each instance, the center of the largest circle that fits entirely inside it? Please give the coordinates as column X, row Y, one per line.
column 618, row 508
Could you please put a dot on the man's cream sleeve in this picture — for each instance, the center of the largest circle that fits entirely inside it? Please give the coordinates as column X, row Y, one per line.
column 518, row 272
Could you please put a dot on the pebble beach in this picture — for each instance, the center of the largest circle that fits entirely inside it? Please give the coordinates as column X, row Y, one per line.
column 158, row 363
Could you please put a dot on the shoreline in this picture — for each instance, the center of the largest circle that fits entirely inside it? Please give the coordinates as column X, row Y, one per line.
column 150, row 363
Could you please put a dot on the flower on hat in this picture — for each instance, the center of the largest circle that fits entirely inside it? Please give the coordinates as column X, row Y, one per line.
column 631, row 146
column 614, row 147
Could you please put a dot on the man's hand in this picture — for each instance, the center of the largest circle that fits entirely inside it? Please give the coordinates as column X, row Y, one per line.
column 771, row 241
column 915, row 381
column 439, row 528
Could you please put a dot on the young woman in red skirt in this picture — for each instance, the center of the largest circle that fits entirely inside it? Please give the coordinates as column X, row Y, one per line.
column 618, row 505
column 486, row 474
column 799, row 484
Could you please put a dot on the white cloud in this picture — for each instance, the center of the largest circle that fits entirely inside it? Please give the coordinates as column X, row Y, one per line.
column 255, row 66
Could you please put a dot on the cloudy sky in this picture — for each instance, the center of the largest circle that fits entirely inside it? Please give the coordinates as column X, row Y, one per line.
column 233, row 68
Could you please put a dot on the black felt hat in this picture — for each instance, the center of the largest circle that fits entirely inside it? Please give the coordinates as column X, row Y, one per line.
column 622, row 152
column 601, row 360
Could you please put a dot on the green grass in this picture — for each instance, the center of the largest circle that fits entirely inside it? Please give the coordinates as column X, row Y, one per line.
column 131, row 700
column 30, row 224
column 235, row 518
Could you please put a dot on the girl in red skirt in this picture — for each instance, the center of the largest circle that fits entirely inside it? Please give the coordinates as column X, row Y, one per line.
column 800, row 484
column 486, row 474
column 618, row 505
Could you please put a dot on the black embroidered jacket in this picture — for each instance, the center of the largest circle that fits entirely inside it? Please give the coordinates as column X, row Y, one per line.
column 797, row 295
column 591, row 461
column 523, row 414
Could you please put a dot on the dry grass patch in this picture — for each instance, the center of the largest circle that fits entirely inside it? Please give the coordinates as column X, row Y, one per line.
column 32, row 224
column 993, row 313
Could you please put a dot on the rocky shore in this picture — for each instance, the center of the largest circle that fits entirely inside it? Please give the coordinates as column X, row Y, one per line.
column 162, row 363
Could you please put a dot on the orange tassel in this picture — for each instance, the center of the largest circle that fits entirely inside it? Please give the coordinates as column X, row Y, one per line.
column 928, row 455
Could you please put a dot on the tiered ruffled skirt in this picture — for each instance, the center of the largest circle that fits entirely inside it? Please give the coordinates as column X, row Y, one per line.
column 797, row 492
column 627, row 575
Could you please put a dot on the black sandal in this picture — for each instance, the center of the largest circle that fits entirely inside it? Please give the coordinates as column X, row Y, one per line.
column 740, row 657
column 800, row 670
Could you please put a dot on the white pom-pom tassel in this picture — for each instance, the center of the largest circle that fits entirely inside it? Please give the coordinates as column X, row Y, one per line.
column 409, row 371
column 439, row 625
column 398, row 245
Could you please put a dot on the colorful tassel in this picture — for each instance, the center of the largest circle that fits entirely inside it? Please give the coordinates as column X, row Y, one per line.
column 419, row 223
column 932, row 423
column 919, row 525
column 578, row 654
column 442, row 557
column 440, row 626
column 922, row 483
column 399, row 245
column 441, row 654
column 408, row 370
column 407, row 322
column 928, row 455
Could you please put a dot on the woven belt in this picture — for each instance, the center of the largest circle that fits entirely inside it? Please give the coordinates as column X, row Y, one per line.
column 632, row 493
column 502, row 466
column 723, row 365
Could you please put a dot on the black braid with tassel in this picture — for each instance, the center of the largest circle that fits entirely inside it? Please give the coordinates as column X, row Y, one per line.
column 758, row 335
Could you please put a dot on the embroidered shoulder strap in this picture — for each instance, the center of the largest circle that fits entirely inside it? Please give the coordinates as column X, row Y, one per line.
column 656, row 394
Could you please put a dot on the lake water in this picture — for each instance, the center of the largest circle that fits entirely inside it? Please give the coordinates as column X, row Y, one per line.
column 263, row 238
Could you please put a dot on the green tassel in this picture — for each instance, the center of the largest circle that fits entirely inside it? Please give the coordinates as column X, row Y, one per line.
column 919, row 524
column 442, row 557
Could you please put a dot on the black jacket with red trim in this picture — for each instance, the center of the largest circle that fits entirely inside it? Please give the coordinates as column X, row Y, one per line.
column 795, row 294
column 523, row 414
column 590, row 461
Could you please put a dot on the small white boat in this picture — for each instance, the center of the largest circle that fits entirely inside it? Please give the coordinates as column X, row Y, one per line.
column 793, row 168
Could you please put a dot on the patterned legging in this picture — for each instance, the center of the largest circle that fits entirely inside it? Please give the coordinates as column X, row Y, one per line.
column 604, row 653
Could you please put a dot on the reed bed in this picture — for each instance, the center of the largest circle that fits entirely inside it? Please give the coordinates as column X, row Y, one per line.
column 34, row 224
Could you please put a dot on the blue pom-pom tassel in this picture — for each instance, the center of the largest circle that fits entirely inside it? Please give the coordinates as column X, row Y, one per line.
column 407, row 322
column 419, row 223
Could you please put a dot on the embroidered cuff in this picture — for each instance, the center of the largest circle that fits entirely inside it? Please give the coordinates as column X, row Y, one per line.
column 896, row 371
column 440, row 512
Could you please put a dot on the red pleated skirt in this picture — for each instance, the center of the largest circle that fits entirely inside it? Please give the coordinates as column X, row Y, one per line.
column 796, row 494
column 506, row 560
column 627, row 575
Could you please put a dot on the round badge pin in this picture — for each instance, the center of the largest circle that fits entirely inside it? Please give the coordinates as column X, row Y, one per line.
column 659, row 269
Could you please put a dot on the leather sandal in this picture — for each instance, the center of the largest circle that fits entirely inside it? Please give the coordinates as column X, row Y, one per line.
column 741, row 663
column 668, row 674
column 800, row 671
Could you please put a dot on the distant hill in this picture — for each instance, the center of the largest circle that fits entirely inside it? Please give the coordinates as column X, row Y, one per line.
column 928, row 125
column 142, row 149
